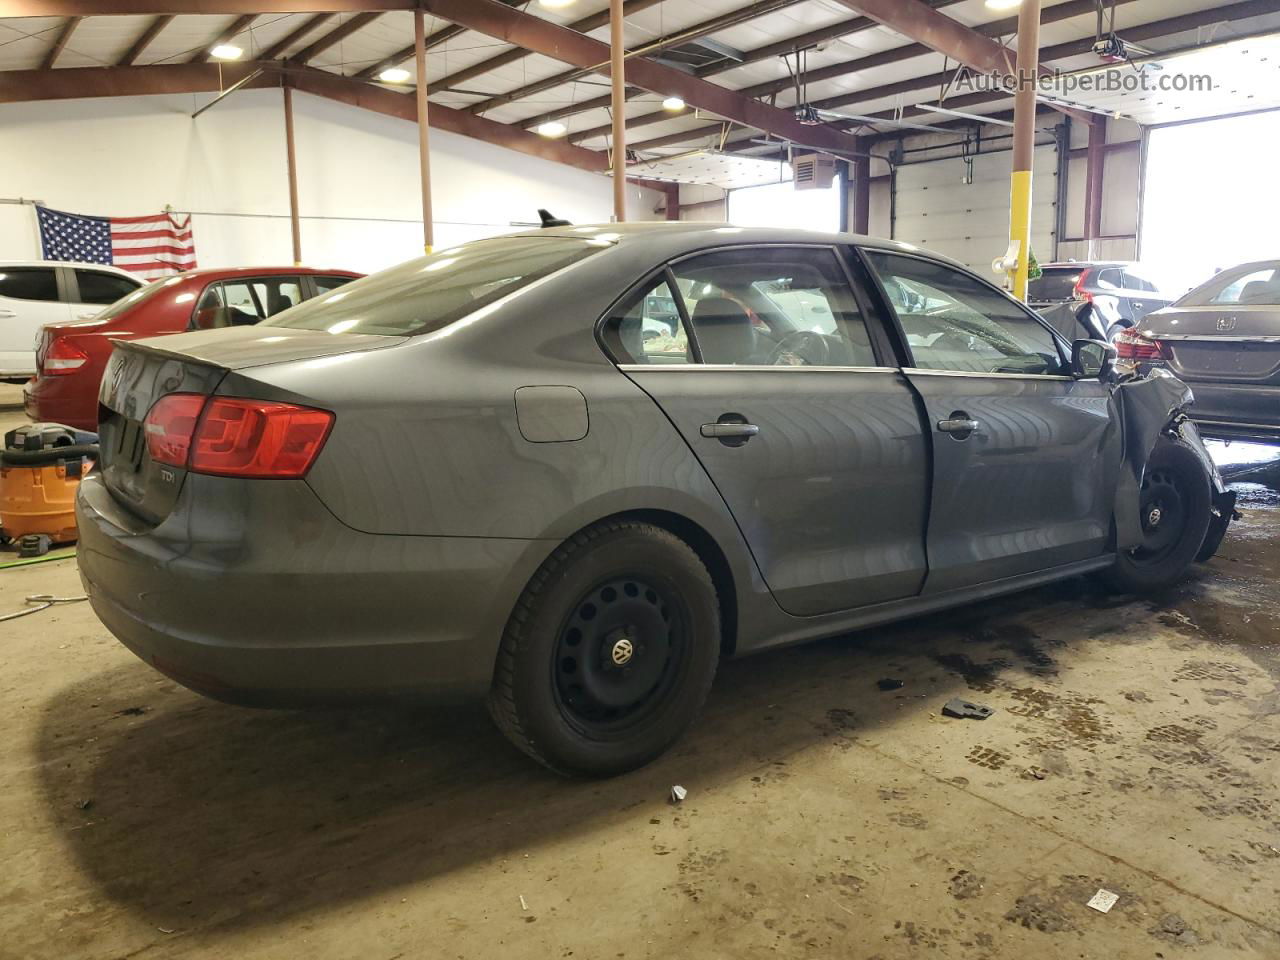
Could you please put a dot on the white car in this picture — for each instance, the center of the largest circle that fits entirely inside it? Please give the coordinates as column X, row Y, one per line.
column 36, row 293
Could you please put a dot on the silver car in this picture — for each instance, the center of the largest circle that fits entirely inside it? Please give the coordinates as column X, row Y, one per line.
column 571, row 469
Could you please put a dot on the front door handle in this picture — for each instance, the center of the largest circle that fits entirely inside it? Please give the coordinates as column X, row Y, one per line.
column 959, row 425
column 86, row 316
column 7, row 313
column 722, row 431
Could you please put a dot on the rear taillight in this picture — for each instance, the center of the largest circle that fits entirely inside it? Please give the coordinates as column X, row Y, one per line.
column 236, row 437
column 1132, row 345
column 1078, row 291
column 170, row 425
column 62, row 357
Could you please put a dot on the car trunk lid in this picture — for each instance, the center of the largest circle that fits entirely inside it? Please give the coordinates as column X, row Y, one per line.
column 141, row 372
column 1220, row 343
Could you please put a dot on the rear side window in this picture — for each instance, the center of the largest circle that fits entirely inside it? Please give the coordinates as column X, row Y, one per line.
column 28, row 283
column 431, row 292
column 953, row 321
column 98, row 287
column 647, row 329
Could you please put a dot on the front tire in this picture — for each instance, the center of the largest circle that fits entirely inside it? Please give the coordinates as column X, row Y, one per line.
column 1175, row 507
column 610, row 651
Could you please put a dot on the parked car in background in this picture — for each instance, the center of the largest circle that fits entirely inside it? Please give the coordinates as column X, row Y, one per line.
column 36, row 293
column 70, row 357
column 1223, row 339
column 477, row 474
column 1123, row 292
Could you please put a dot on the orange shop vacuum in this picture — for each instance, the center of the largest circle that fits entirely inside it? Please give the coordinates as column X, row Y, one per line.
column 40, row 469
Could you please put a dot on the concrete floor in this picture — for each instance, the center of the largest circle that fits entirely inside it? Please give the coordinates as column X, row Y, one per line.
column 1135, row 747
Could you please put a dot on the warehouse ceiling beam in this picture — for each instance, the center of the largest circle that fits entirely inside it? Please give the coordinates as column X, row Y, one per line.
column 60, row 43
column 310, row 25
column 405, row 53
column 334, row 36
column 697, row 32
column 144, row 40
column 110, row 8
column 514, row 55
column 229, row 33
column 75, row 83
column 560, row 43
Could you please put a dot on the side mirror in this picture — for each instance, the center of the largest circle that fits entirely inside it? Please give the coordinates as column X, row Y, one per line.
column 1091, row 359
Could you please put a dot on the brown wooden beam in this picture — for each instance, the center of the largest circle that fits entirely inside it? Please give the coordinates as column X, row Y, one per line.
column 585, row 25
column 291, row 166
column 1095, row 154
column 569, row 46
column 75, row 83
column 919, row 22
column 405, row 53
column 60, row 43
column 293, row 36
column 232, row 30
column 144, row 40
column 104, row 8
column 336, row 35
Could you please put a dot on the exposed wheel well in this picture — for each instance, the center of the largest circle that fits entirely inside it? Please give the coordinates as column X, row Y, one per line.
column 709, row 552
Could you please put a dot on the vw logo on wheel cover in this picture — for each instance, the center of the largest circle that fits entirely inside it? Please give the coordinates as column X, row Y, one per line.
column 622, row 652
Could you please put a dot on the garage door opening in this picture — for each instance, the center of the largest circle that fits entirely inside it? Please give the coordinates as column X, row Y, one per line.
column 782, row 205
column 1209, row 194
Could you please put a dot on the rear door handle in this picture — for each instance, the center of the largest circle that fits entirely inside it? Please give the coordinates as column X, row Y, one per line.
column 722, row 431
column 958, row 425
column 7, row 313
column 86, row 316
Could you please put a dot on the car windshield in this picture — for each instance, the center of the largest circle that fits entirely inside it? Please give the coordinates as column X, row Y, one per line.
column 1252, row 283
column 428, row 293
column 1053, row 285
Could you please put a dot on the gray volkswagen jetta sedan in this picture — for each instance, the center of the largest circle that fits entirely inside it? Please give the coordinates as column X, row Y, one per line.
column 571, row 469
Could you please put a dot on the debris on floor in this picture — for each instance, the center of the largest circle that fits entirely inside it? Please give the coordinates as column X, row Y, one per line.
column 889, row 683
column 523, row 905
column 963, row 708
column 678, row 793
column 1103, row 900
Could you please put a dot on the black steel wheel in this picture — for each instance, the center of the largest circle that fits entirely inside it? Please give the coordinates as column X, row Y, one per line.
column 610, row 651
column 1175, row 507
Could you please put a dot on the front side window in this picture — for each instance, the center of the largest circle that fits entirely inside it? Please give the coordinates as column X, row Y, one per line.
column 28, row 283
column 952, row 321
column 325, row 284
column 647, row 328
column 773, row 306
column 428, row 293
column 97, row 286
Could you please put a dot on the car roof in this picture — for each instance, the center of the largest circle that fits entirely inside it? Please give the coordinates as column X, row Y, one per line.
column 262, row 271
column 69, row 263
column 1081, row 264
column 675, row 237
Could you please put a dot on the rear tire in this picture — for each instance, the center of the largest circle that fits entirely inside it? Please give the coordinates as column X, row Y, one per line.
column 1175, row 507
column 610, row 651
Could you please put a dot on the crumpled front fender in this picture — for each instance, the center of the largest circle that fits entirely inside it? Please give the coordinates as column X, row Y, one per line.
column 1149, row 407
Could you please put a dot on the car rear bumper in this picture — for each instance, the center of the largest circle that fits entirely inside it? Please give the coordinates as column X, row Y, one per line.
column 252, row 592
column 63, row 399
column 1230, row 411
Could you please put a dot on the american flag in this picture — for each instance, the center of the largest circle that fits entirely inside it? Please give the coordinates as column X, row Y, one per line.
column 151, row 247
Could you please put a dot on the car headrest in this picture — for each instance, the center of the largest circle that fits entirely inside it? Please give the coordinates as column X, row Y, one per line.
column 724, row 331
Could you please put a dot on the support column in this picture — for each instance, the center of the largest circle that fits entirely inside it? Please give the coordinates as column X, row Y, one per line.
column 1024, row 135
column 617, row 56
column 673, row 201
column 424, row 128
column 1094, row 159
column 861, row 168
column 292, row 158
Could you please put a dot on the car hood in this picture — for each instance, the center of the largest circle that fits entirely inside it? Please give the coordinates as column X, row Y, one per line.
column 1236, row 322
column 235, row 348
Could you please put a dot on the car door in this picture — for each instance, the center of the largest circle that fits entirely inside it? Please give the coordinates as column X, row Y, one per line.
column 762, row 357
column 1142, row 294
column 94, row 289
column 1025, row 457
column 30, row 298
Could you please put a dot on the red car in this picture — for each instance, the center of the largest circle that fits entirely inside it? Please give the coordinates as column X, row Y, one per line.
column 70, row 357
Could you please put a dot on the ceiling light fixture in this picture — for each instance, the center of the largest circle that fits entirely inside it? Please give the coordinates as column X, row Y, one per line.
column 556, row 4
column 1003, row 4
column 552, row 128
column 226, row 51
column 673, row 104
column 394, row 75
